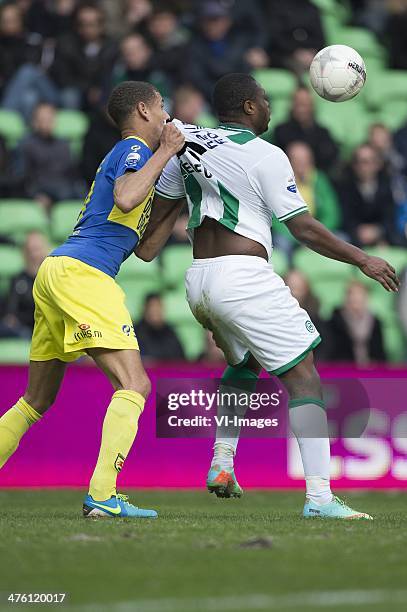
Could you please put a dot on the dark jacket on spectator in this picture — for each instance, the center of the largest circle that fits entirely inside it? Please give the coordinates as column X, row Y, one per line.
column 341, row 343
column 159, row 343
column 75, row 66
column 293, row 24
column 16, row 51
column 101, row 136
column 47, row 167
column 317, row 137
column 358, row 210
column 207, row 61
column 20, row 302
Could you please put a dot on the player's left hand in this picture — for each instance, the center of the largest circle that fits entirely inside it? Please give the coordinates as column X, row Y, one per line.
column 382, row 272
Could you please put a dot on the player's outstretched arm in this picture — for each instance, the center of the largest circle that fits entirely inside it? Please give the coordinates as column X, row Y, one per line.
column 131, row 189
column 164, row 213
column 317, row 237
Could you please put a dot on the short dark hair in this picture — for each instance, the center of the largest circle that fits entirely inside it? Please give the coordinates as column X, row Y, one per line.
column 125, row 97
column 231, row 92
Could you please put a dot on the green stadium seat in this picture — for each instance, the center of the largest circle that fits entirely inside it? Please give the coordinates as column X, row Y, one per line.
column 328, row 278
column 277, row 82
column 72, row 125
column 192, row 337
column 386, row 86
column 11, row 263
column 394, row 341
column 135, row 269
column 63, row 218
column 396, row 256
column 175, row 261
column 207, row 120
column 138, row 278
column 12, row 127
column 280, row 262
column 393, row 114
column 176, row 308
column 18, row 217
column 361, row 39
column 14, row 350
column 136, row 292
column 348, row 123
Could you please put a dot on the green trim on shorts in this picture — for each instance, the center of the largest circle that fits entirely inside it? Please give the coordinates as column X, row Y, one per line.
column 241, row 363
column 297, row 360
column 301, row 401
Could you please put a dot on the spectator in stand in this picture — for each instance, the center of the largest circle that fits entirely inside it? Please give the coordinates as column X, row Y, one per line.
column 302, row 126
column 136, row 63
column 402, row 301
column 50, row 18
column 101, row 136
column 18, row 320
column 295, row 32
column 157, row 339
column 83, row 58
column 395, row 34
column 212, row 354
column 314, row 186
column 316, row 189
column 355, row 333
column 395, row 166
column 168, row 40
column 370, row 14
column 124, row 16
column 216, row 49
column 9, row 184
column 250, row 24
column 46, row 163
column 301, row 290
column 400, row 142
column 23, row 83
column 367, row 201
column 187, row 104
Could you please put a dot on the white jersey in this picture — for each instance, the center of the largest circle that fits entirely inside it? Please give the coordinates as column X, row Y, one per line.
column 230, row 175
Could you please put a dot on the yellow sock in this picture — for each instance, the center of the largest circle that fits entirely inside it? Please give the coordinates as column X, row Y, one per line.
column 119, row 430
column 13, row 425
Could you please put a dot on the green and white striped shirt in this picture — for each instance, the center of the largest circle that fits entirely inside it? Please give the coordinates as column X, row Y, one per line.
column 229, row 174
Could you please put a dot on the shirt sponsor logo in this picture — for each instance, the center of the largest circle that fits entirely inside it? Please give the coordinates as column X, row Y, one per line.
column 86, row 332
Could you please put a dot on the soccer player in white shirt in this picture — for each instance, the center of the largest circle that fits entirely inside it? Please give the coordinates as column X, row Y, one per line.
column 233, row 182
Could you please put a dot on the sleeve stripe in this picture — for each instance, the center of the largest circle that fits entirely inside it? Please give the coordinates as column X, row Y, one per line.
column 169, row 197
column 293, row 213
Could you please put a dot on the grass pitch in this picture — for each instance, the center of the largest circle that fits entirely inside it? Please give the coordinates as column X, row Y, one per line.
column 204, row 554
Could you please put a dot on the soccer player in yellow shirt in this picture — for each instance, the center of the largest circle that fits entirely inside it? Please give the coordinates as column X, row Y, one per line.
column 79, row 308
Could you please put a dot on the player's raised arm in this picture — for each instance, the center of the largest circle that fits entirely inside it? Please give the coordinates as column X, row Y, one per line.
column 132, row 188
column 164, row 214
column 317, row 237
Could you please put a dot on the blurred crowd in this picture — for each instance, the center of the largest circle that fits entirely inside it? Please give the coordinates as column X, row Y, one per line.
column 68, row 54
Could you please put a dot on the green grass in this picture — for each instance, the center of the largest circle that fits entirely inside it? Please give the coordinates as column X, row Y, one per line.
column 193, row 557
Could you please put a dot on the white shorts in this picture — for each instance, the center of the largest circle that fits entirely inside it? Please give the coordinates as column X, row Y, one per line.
column 250, row 310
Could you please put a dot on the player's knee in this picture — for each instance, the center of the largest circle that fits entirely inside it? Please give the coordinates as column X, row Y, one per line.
column 140, row 385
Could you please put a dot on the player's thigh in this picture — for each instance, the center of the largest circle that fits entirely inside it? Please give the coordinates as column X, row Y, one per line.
column 302, row 380
column 123, row 368
column 44, row 381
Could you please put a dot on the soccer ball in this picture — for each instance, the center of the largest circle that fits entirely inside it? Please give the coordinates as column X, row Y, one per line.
column 337, row 73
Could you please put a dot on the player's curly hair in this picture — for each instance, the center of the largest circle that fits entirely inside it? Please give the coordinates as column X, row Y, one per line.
column 126, row 96
column 231, row 92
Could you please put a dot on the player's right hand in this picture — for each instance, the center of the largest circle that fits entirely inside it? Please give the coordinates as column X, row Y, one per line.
column 172, row 139
column 381, row 271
